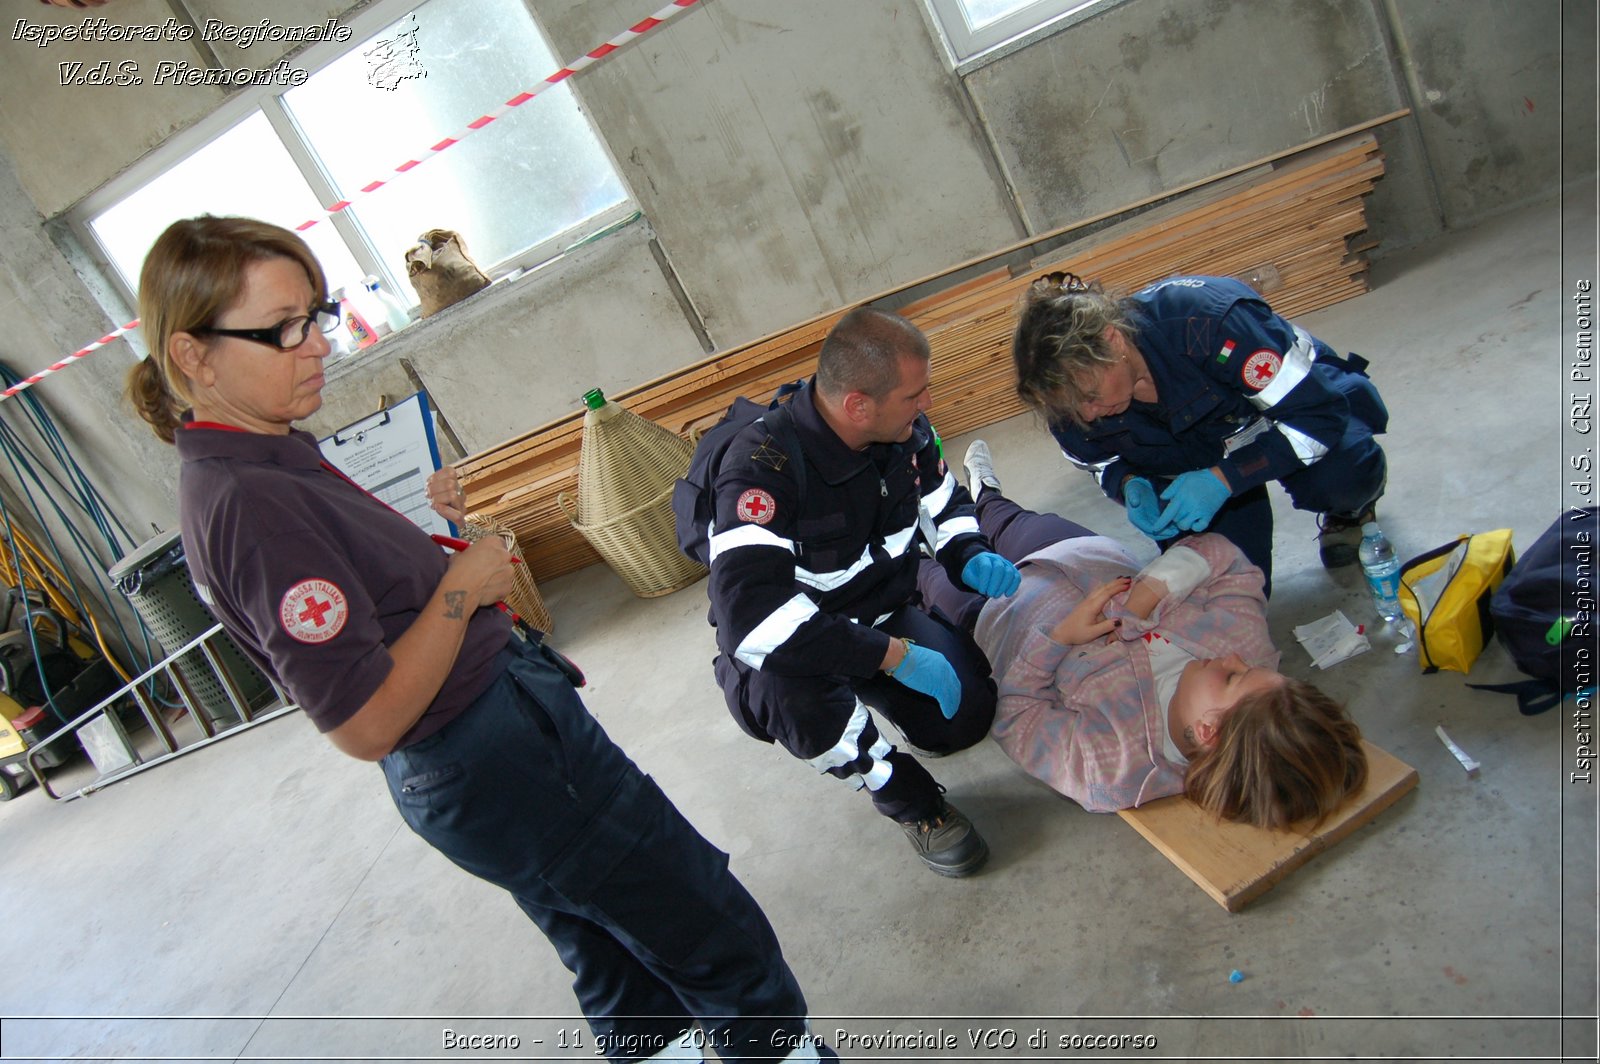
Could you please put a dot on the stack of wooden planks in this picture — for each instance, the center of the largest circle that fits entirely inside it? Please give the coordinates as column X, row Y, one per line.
column 1289, row 223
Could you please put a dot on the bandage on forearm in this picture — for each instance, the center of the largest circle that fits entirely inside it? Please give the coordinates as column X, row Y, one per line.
column 1180, row 569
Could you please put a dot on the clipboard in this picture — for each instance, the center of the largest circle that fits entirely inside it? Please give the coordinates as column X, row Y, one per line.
column 391, row 454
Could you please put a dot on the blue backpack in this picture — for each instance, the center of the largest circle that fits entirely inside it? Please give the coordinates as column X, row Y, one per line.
column 1544, row 613
column 692, row 504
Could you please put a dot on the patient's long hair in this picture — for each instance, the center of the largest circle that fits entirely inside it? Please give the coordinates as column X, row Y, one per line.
column 1281, row 755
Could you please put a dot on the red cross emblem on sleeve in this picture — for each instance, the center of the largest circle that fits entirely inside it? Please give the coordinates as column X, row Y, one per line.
column 313, row 611
column 1259, row 369
column 756, row 507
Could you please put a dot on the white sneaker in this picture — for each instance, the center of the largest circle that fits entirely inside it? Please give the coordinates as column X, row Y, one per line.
column 980, row 468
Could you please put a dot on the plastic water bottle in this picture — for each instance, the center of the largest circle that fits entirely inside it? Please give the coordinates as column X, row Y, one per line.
column 1383, row 571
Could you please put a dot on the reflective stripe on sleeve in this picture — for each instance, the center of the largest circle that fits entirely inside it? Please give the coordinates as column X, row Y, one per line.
column 956, row 526
column 743, row 535
column 836, row 578
column 936, row 500
column 772, row 632
column 1306, row 448
column 1088, row 467
column 1295, row 368
column 895, row 545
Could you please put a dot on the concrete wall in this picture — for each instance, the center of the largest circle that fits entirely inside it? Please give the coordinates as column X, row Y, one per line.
column 1490, row 102
column 794, row 157
column 1149, row 96
column 789, row 158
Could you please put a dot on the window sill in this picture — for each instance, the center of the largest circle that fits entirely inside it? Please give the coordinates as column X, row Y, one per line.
column 490, row 300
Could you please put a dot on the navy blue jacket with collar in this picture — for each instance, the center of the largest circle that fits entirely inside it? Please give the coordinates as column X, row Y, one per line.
column 795, row 588
column 1236, row 390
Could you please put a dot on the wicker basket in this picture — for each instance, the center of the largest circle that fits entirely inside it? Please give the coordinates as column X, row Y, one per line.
column 626, row 470
column 524, row 599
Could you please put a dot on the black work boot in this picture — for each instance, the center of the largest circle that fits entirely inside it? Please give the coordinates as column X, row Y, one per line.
column 1339, row 537
column 947, row 843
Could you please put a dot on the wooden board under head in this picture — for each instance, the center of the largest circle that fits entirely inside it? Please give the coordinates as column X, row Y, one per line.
column 1235, row 863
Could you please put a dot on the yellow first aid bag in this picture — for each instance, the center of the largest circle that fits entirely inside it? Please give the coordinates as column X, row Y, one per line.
column 1446, row 593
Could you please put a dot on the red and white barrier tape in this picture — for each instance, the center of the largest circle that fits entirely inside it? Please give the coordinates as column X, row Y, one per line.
column 81, row 352
column 588, row 59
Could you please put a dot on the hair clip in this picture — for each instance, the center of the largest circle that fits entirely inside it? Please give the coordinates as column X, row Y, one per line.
column 1067, row 282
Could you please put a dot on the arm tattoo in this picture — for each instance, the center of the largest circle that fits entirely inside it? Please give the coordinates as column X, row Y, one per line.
column 454, row 601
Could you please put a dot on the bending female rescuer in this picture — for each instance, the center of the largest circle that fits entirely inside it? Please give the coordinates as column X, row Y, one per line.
column 398, row 654
column 1187, row 397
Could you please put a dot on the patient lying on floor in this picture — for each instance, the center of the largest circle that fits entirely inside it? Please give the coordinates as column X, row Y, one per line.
column 1119, row 686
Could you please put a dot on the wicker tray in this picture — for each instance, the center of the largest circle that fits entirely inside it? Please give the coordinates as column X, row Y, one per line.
column 524, row 599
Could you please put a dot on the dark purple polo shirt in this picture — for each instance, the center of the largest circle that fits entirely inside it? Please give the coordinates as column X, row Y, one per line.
column 313, row 577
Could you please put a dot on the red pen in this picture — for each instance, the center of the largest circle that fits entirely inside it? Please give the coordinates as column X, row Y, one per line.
column 460, row 544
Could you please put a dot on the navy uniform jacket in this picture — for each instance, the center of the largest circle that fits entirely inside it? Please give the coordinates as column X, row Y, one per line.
column 795, row 588
column 313, row 577
column 1235, row 386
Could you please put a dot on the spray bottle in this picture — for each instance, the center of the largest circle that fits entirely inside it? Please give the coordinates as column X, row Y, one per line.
column 361, row 330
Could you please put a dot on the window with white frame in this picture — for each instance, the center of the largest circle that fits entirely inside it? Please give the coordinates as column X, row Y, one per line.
column 519, row 190
column 974, row 27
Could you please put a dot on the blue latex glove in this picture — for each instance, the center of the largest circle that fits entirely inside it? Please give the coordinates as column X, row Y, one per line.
column 1144, row 509
column 930, row 672
column 991, row 575
column 1193, row 499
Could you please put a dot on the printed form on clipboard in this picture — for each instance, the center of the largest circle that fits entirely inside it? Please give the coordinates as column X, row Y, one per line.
column 391, row 454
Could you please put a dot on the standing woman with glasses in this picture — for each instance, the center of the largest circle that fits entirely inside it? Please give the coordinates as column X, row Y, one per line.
column 398, row 654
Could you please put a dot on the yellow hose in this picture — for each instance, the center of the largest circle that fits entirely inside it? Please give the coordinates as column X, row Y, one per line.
column 41, row 575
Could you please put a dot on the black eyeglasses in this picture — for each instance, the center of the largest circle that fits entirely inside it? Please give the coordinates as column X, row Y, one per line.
column 289, row 333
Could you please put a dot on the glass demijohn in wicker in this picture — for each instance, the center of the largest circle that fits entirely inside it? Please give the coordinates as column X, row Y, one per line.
column 626, row 470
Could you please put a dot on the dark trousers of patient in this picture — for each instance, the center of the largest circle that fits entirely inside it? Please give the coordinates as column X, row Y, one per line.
column 1014, row 532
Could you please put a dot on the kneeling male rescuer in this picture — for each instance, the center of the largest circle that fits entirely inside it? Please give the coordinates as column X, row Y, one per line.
column 813, row 593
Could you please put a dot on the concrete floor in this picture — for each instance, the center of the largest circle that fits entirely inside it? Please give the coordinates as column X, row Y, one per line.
column 261, row 899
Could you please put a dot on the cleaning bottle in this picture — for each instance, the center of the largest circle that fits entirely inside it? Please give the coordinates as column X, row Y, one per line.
column 360, row 329
column 393, row 313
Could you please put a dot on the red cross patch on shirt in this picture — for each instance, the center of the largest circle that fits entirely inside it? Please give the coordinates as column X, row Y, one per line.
column 1259, row 369
column 313, row 611
column 756, row 506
